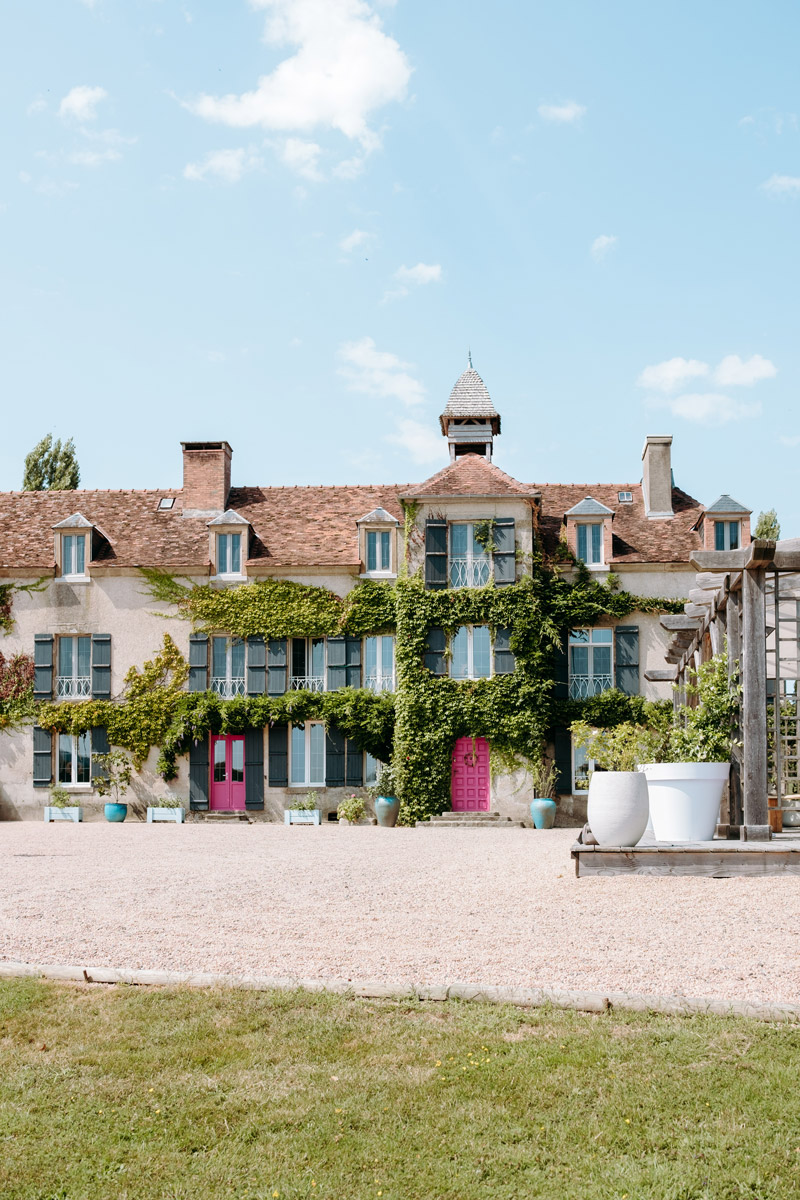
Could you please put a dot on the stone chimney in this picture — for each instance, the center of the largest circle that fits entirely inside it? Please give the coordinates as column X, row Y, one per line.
column 206, row 478
column 657, row 476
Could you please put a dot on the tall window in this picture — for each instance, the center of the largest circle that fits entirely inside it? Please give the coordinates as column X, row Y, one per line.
column 379, row 663
column 74, row 758
column 379, row 550
column 74, row 680
column 73, row 554
column 229, row 554
column 470, row 564
column 227, row 666
column 726, row 535
column 308, row 664
column 582, row 767
column 471, row 652
column 371, row 767
column 590, row 662
column 308, row 755
column 590, row 543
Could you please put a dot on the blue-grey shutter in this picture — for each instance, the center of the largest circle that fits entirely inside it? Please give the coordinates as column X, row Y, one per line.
column 198, row 668
column 278, row 756
column 436, row 554
column 337, row 662
column 562, row 744
column 254, row 768
column 256, row 667
column 42, row 757
column 43, row 666
column 276, row 666
column 101, row 666
column 198, row 774
column 505, row 559
column 435, row 659
column 334, row 758
column 626, row 659
column 504, row 661
column 561, row 667
column 355, row 765
column 100, row 745
column 353, row 655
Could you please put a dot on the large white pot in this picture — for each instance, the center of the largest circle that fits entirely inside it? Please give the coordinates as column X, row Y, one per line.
column 618, row 807
column 685, row 799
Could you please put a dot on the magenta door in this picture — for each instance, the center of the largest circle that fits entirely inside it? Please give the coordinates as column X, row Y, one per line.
column 471, row 777
column 227, row 771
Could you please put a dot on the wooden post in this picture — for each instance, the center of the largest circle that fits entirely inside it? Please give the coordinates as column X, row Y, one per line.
column 754, row 705
column 734, row 624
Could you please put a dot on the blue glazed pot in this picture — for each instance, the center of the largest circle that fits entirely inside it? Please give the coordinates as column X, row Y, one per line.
column 386, row 810
column 116, row 812
column 543, row 813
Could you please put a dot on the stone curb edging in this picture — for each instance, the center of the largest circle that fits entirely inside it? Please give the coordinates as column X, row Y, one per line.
column 590, row 1002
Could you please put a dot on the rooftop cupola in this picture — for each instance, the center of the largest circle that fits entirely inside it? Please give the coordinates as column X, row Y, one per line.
column 470, row 421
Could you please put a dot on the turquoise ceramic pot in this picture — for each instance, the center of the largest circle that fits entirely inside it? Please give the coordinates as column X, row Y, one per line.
column 386, row 810
column 116, row 812
column 543, row 813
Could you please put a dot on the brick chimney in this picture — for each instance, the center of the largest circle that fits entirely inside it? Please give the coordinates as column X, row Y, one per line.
column 206, row 477
column 657, row 476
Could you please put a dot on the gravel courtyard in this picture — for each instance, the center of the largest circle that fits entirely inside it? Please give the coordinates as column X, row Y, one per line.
column 428, row 906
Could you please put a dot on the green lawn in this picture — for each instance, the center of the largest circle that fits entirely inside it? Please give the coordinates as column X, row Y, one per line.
column 125, row 1092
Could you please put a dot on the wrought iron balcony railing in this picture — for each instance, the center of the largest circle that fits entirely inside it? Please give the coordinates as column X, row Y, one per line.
column 228, row 688
column 379, row 683
column 311, row 683
column 581, row 687
column 74, row 687
column 469, row 572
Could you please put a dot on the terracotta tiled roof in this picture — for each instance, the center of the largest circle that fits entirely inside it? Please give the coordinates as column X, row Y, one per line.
column 470, row 475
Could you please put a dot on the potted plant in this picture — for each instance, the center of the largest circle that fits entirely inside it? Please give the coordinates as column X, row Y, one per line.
column 618, row 803
column 351, row 811
column 168, row 808
column 544, row 777
column 304, row 812
column 113, row 779
column 385, row 800
column 61, row 807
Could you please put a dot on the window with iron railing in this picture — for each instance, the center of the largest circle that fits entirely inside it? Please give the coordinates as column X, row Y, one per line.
column 469, row 563
column 591, row 667
column 74, row 678
column 379, row 663
column 308, row 665
column 228, row 667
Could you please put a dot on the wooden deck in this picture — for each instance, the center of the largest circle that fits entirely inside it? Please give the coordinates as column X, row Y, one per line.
column 718, row 859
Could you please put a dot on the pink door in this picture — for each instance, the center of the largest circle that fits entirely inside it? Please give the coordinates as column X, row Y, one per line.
column 227, row 771
column 471, row 778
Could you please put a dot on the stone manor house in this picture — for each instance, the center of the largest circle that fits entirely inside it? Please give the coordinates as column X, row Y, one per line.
column 93, row 620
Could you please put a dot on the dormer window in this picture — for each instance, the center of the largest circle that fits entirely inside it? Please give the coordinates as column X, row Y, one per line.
column 229, row 545
column 590, row 544
column 73, row 555
column 229, row 554
column 589, row 532
column 726, row 525
column 77, row 543
column 377, row 542
column 379, row 550
column 726, row 535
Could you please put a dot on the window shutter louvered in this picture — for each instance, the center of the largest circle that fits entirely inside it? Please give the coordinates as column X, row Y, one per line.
column 353, row 656
column 435, row 554
column 562, row 744
column 435, row 659
column 626, row 659
column 198, row 775
column 101, row 667
column 42, row 757
column 100, row 745
column 198, row 668
column 337, row 663
column 279, row 756
column 561, row 667
column 355, row 765
column 505, row 559
column 334, row 758
column 256, row 668
column 504, row 661
column 43, row 666
column 254, row 768
column 276, row 666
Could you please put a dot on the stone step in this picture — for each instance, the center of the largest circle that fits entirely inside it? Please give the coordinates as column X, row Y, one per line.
column 218, row 817
column 470, row 816
column 468, row 821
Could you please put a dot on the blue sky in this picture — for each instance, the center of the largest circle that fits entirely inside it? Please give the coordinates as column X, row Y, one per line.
column 283, row 222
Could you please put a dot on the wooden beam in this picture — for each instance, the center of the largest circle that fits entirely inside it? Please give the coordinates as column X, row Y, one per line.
column 699, row 610
column 787, row 560
column 719, row 560
column 706, row 582
column 760, row 554
column 754, row 698
column 661, row 676
column 675, row 622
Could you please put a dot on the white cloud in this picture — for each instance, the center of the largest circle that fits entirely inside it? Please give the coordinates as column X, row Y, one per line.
column 419, row 275
column 420, row 441
column 226, row 165
column 733, row 371
column 350, row 168
column 109, row 137
column 601, row 246
column 344, row 69
column 378, row 373
column 673, row 374
column 709, row 408
column 790, row 439
column 782, row 185
column 359, row 237
column 80, row 104
column 564, row 114
column 36, row 106
column 93, row 158
column 302, row 157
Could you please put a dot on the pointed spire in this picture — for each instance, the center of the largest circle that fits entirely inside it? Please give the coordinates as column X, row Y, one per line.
column 469, row 357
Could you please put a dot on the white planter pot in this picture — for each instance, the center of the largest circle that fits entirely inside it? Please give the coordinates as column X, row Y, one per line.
column 70, row 813
column 685, row 799
column 302, row 816
column 617, row 809
column 154, row 813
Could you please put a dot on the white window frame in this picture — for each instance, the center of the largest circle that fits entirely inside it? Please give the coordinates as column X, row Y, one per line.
column 228, row 685
column 69, row 556
column 591, row 765
column 585, row 691
column 726, row 536
column 379, row 533
column 383, row 678
column 589, row 526
column 467, row 570
column 372, row 767
column 73, row 785
column 226, row 574
column 307, row 781
column 311, row 683
column 74, row 686
column 471, row 654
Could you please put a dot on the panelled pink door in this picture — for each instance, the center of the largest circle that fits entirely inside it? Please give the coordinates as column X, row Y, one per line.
column 471, row 777
column 227, row 771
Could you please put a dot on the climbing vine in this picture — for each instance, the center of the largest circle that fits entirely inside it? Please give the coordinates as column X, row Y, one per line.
column 7, row 591
column 16, row 690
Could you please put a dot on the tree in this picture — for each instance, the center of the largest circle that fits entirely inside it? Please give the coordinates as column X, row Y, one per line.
column 768, row 526
column 51, row 467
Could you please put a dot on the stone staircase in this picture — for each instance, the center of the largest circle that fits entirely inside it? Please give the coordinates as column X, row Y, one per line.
column 469, row 820
column 218, row 818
